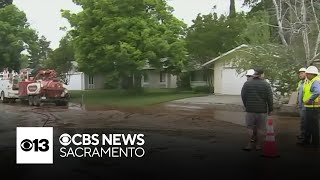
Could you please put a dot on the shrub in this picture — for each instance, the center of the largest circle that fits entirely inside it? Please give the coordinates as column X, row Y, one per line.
column 201, row 89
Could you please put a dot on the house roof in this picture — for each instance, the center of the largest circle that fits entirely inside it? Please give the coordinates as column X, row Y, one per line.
column 224, row 54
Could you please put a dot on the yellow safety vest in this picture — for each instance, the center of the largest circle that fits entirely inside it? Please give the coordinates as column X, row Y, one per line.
column 307, row 92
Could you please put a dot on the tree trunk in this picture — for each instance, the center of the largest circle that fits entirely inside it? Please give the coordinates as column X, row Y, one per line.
column 305, row 32
column 137, row 80
column 278, row 9
column 232, row 12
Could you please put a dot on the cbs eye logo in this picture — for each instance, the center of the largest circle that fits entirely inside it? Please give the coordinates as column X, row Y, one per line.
column 37, row 145
column 65, row 139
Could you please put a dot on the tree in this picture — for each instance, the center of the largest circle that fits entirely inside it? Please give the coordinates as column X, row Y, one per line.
column 211, row 35
column 4, row 3
column 61, row 58
column 15, row 36
column 278, row 62
column 298, row 25
column 39, row 54
column 123, row 36
column 232, row 10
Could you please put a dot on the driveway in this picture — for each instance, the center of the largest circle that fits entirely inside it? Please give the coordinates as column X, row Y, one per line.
column 212, row 99
column 232, row 103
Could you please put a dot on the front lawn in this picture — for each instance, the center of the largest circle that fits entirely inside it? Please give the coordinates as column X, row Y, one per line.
column 123, row 98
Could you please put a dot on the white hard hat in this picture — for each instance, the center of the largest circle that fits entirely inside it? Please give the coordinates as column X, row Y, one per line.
column 250, row 72
column 302, row 70
column 312, row 70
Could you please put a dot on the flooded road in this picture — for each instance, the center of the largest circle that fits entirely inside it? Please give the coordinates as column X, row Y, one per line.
column 188, row 142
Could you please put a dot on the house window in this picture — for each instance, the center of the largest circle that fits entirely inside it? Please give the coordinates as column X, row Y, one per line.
column 198, row 76
column 145, row 78
column 91, row 80
column 162, row 77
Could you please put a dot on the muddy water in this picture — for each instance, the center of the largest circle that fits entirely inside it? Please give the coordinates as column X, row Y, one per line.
column 178, row 140
column 161, row 116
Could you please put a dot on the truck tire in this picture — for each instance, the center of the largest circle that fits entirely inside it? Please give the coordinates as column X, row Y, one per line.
column 3, row 98
column 30, row 99
column 36, row 100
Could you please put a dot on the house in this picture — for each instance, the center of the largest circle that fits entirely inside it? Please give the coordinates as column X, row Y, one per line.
column 198, row 77
column 154, row 78
column 81, row 81
column 226, row 80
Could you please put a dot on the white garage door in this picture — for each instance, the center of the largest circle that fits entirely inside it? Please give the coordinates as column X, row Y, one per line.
column 232, row 82
column 75, row 82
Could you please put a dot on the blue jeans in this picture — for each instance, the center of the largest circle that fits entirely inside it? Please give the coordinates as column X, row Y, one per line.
column 302, row 121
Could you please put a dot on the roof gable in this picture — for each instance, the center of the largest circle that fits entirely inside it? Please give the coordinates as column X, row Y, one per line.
column 224, row 54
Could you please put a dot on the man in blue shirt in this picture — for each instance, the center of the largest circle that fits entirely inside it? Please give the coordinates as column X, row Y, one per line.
column 302, row 109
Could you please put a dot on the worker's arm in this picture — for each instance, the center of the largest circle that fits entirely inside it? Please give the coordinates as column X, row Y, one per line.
column 243, row 94
column 269, row 98
column 315, row 89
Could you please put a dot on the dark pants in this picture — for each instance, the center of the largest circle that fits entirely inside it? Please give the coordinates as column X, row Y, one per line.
column 312, row 126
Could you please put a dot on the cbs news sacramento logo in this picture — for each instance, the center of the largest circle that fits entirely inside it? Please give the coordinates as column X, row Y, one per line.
column 35, row 145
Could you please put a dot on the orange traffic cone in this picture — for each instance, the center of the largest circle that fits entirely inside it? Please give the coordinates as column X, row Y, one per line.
column 270, row 148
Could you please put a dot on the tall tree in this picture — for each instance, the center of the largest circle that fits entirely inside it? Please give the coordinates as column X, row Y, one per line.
column 297, row 24
column 15, row 36
column 40, row 54
column 124, row 36
column 211, row 35
column 61, row 58
column 232, row 9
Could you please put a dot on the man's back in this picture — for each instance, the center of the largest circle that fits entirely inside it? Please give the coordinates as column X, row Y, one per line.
column 257, row 96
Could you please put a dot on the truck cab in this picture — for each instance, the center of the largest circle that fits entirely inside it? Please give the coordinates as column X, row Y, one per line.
column 8, row 86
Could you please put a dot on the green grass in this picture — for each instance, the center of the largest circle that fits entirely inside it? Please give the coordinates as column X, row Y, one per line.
column 123, row 98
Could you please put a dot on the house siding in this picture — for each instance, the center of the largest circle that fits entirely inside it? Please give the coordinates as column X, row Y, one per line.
column 173, row 81
column 153, row 77
column 98, row 82
column 218, row 69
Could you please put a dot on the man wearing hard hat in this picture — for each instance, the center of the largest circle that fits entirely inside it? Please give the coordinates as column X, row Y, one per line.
column 302, row 109
column 312, row 104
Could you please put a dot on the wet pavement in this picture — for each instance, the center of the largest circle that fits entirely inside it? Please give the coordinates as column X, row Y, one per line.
column 181, row 142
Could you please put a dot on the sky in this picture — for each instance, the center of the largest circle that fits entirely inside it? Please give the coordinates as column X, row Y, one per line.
column 45, row 16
